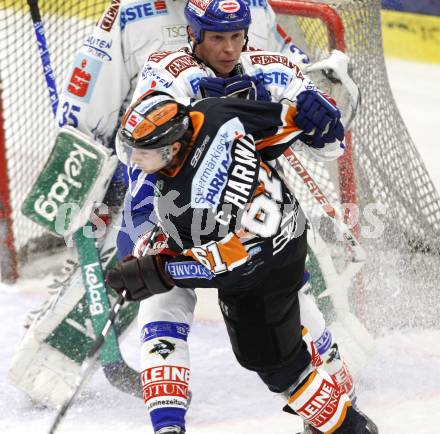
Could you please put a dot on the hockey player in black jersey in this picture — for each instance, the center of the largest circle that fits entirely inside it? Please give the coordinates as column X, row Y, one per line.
column 231, row 223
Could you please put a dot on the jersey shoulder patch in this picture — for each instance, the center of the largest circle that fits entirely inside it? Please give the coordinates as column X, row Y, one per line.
column 267, row 58
column 269, row 61
column 181, row 61
column 159, row 55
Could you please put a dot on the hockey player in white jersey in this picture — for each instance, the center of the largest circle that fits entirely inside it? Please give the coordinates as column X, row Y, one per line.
column 105, row 70
column 215, row 64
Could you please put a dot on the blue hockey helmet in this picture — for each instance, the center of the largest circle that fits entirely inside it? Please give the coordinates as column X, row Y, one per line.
column 217, row 16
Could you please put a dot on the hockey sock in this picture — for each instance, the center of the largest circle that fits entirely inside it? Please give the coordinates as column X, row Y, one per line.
column 165, row 377
column 334, row 364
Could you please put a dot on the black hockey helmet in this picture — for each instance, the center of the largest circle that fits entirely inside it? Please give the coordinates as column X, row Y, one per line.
column 155, row 120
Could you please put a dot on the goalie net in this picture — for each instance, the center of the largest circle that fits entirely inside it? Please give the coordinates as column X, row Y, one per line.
column 382, row 165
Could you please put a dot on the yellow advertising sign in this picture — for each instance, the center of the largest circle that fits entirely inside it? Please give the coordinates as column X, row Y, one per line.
column 411, row 36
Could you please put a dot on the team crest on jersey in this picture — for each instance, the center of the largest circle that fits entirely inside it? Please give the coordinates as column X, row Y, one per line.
column 164, row 348
column 229, row 6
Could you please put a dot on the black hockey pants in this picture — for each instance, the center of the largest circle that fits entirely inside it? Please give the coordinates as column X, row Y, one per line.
column 263, row 321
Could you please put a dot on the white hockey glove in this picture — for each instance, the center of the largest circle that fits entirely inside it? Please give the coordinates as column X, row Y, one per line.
column 335, row 67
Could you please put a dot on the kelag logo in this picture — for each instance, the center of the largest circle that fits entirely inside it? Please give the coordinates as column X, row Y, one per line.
column 142, row 10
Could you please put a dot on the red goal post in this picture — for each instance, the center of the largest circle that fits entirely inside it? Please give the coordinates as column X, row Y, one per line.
column 8, row 257
column 322, row 11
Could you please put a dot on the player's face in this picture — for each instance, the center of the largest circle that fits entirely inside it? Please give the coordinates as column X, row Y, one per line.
column 221, row 50
column 152, row 160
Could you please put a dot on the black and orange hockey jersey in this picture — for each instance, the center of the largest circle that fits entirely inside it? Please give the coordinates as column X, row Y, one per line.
column 225, row 210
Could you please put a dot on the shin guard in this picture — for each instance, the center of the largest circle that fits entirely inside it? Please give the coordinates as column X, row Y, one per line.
column 320, row 402
column 165, row 374
column 335, row 365
column 164, row 323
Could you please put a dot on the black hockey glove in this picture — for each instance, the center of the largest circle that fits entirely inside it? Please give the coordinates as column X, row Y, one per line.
column 319, row 119
column 141, row 277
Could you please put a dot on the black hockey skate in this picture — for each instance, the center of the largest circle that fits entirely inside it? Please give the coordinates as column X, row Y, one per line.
column 171, row 430
column 308, row 429
column 371, row 427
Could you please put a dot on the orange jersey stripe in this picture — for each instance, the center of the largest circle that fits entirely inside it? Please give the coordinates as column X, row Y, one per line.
column 289, row 127
column 220, row 256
